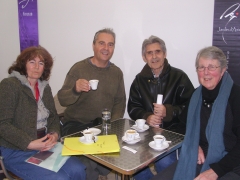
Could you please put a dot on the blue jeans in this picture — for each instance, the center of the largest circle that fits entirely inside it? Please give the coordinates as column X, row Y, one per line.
column 14, row 161
column 161, row 164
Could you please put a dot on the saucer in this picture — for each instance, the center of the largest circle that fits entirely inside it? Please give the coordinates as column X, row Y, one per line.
column 95, row 131
column 165, row 145
column 131, row 142
column 83, row 140
column 145, row 127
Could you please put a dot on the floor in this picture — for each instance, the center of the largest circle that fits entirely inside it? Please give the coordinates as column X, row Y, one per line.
column 111, row 176
column 2, row 176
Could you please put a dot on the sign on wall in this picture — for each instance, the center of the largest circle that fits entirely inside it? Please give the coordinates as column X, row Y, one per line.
column 226, row 33
column 28, row 23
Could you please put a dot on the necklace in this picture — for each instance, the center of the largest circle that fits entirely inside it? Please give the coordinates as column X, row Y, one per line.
column 207, row 104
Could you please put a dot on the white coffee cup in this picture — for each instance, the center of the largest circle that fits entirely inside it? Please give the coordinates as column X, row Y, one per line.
column 88, row 135
column 93, row 84
column 159, row 139
column 140, row 123
column 131, row 135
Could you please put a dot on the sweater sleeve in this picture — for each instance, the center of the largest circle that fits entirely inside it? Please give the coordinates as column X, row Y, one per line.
column 119, row 100
column 232, row 159
column 229, row 161
column 68, row 95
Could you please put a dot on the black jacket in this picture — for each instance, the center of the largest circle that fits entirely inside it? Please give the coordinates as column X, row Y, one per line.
column 173, row 83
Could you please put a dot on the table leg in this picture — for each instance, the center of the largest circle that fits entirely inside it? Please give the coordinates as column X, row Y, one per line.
column 125, row 177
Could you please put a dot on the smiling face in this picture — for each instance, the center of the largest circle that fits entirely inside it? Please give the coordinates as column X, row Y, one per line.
column 103, row 49
column 35, row 68
column 209, row 79
column 154, row 56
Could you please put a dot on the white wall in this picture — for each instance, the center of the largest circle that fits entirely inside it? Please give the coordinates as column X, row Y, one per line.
column 67, row 27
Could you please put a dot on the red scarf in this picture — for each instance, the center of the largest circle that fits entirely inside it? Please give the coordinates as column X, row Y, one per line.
column 36, row 91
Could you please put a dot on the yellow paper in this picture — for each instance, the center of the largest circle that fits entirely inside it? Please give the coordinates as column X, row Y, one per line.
column 104, row 144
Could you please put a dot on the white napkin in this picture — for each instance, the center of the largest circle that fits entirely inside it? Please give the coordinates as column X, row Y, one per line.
column 159, row 99
column 129, row 149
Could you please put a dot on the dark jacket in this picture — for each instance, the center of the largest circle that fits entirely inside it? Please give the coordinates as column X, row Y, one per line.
column 173, row 83
column 18, row 114
column 231, row 133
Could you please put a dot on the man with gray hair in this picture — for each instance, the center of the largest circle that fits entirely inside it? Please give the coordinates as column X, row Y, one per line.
column 85, row 104
column 158, row 77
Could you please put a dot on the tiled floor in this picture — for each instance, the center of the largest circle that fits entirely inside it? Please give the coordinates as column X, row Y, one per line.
column 1, row 174
column 111, row 176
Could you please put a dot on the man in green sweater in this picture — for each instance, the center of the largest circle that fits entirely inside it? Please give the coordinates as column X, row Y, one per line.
column 84, row 104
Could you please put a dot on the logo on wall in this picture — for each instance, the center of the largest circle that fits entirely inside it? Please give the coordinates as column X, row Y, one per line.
column 28, row 23
column 226, row 34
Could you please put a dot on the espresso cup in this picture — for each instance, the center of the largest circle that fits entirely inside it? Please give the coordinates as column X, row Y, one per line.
column 131, row 135
column 159, row 139
column 140, row 123
column 88, row 135
column 93, row 84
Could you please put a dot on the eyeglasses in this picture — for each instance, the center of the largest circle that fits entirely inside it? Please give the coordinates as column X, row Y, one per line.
column 209, row 68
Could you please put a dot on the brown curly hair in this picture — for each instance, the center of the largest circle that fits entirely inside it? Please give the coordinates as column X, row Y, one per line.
column 29, row 54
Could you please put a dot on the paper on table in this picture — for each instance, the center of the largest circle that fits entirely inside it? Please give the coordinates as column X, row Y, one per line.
column 159, row 99
column 104, row 144
column 52, row 159
column 129, row 149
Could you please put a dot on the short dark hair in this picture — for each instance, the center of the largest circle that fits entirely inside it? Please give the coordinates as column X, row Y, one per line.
column 105, row 30
column 30, row 53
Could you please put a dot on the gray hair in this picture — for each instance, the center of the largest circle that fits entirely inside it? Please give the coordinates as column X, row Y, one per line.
column 105, row 30
column 153, row 39
column 212, row 52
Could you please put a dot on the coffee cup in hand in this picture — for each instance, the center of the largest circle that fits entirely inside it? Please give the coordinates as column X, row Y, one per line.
column 131, row 135
column 88, row 135
column 159, row 139
column 140, row 123
column 93, row 84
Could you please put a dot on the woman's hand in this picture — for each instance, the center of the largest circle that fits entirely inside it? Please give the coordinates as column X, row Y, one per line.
column 201, row 157
column 207, row 175
column 45, row 143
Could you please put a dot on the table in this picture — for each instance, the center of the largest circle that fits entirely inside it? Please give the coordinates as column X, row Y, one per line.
column 126, row 162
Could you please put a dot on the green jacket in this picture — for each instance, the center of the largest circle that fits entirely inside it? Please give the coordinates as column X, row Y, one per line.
column 18, row 114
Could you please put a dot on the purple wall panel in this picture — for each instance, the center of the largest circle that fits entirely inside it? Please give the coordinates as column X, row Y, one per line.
column 226, row 33
column 28, row 23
